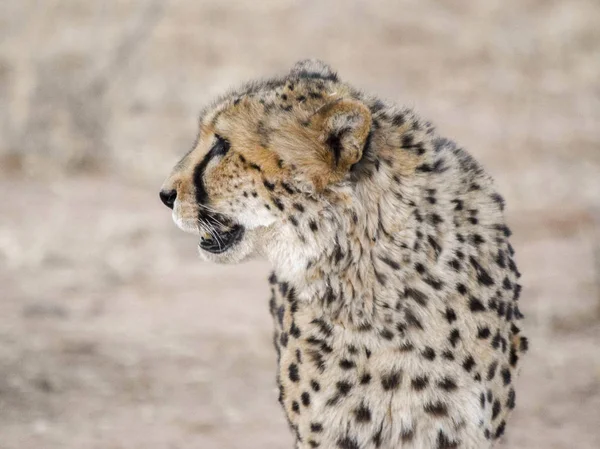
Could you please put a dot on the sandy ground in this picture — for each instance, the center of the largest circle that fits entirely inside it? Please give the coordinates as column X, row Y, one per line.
column 114, row 335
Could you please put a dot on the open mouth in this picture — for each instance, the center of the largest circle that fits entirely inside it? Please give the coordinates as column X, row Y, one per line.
column 219, row 240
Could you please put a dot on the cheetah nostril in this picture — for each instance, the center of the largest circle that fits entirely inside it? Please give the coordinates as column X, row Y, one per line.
column 168, row 197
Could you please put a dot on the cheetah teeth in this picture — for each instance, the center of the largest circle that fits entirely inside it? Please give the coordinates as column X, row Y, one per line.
column 206, row 236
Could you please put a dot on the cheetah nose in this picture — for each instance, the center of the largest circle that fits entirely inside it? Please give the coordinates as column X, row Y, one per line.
column 168, row 197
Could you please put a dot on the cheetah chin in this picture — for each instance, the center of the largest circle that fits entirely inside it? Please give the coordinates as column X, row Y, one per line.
column 395, row 292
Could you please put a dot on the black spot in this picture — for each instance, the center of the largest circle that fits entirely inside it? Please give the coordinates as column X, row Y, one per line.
column 419, row 383
column 365, row 379
column 278, row 203
column 505, row 230
column 500, row 429
column 377, row 437
column 491, row 373
column 450, row 315
column 435, row 245
column 506, row 376
column 268, row 185
column 293, row 373
column 443, row 442
column 420, row 268
column 498, row 200
column 468, row 363
column 323, row 326
column 436, row 408
column 448, row 355
column 295, row 331
column 347, row 443
column 435, row 219
column 344, row 387
column 483, row 277
column 428, row 353
column 293, row 220
column 272, row 278
column 315, row 385
column 447, row 384
column 476, row 305
column 483, row 332
column 386, row 334
column 316, row 427
column 390, row 262
column 296, row 407
column 362, row 413
column 391, row 381
column 346, row 364
column 511, row 399
column 398, row 119
column 254, row 167
column 280, row 313
column 524, row 344
column 407, row 141
column 501, row 259
column 460, row 288
column 283, row 339
column 313, row 443
column 439, row 167
column 305, row 397
column 299, row 207
column 496, row 408
column 313, row 225
column 496, row 340
column 476, row 239
column 425, row 168
column 407, row 435
column 517, row 292
column 454, row 264
column 454, row 337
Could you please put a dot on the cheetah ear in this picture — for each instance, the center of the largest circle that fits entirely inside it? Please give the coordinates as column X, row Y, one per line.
column 343, row 127
column 313, row 68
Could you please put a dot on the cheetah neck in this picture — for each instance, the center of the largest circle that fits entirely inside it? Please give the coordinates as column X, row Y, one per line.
column 341, row 269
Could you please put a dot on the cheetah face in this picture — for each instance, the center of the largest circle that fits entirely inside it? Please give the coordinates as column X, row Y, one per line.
column 263, row 157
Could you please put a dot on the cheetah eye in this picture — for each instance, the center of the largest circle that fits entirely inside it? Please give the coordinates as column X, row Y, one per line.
column 221, row 146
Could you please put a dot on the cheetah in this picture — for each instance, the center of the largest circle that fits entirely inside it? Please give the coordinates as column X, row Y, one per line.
column 394, row 291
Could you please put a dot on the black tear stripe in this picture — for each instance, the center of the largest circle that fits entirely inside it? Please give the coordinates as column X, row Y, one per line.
column 220, row 148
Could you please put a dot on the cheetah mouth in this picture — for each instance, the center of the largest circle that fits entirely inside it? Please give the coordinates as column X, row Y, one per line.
column 220, row 235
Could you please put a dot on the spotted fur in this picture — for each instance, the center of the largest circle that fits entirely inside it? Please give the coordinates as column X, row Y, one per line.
column 394, row 292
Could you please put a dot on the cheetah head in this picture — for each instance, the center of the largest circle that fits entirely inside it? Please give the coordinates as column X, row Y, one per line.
column 263, row 161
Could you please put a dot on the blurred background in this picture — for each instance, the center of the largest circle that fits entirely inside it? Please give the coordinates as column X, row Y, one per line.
column 114, row 335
